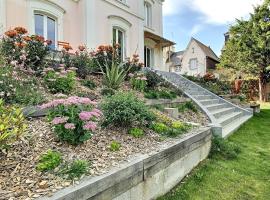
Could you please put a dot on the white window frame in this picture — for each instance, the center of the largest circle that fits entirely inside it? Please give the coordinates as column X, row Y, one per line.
column 148, row 14
column 49, row 9
column 191, row 62
column 45, row 25
column 2, row 16
column 123, row 49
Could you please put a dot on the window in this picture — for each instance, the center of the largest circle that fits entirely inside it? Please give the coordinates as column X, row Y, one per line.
column 148, row 57
column 148, row 14
column 193, row 64
column 119, row 38
column 46, row 27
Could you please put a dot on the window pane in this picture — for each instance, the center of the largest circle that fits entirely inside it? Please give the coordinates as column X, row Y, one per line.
column 114, row 36
column 39, row 24
column 51, row 31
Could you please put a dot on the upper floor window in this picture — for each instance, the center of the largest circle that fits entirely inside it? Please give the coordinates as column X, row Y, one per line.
column 148, row 14
column 46, row 27
column 119, row 38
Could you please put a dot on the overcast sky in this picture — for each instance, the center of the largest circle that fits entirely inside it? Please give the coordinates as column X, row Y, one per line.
column 205, row 20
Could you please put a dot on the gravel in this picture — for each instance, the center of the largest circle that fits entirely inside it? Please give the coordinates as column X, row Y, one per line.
column 19, row 178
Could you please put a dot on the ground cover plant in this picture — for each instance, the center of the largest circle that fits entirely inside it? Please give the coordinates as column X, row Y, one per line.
column 246, row 176
column 189, row 105
column 75, row 170
column 49, row 160
column 115, row 146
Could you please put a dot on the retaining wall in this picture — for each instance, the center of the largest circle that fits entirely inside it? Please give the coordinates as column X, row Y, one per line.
column 146, row 177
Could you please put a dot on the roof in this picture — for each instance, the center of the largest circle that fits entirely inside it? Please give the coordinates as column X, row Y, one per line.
column 207, row 50
column 158, row 39
column 176, row 57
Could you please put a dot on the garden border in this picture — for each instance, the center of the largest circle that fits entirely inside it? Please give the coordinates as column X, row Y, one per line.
column 146, row 176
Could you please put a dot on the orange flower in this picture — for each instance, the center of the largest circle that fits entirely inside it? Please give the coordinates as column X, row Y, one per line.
column 11, row 33
column 117, row 46
column 135, row 56
column 20, row 44
column 81, row 48
column 101, row 48
column 20, row 30
column 27, row 38
column 67, row 47
column 38, row 38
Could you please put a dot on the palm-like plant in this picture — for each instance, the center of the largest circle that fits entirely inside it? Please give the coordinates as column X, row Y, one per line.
column 114, row 75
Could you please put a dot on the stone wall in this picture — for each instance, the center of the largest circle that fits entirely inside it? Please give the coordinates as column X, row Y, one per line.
column 147, row 176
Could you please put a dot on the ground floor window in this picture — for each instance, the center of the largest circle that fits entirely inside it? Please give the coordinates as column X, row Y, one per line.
column 46, row 27
column 148, row 57
column 119, row 38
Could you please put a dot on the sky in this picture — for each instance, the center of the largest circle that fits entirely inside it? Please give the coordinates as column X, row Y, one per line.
column 205, row 20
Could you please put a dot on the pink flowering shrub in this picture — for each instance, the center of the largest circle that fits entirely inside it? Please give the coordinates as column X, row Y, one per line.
column 62, row 81
column 74, row 119
column 138, row 81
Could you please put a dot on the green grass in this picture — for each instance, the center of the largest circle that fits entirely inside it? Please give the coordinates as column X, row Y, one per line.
column 245, row 178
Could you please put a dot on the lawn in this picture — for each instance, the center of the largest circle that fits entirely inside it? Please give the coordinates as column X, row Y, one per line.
column 244, row 178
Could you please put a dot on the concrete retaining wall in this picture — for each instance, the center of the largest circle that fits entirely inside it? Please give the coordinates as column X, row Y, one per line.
column 145, row 177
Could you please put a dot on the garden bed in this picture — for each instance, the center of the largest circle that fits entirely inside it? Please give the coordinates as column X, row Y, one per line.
column 19, row 178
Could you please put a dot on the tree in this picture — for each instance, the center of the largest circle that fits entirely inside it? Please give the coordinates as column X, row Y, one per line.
column 248, row 49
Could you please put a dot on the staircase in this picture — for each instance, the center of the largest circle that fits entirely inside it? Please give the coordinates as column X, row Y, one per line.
column 225, row 116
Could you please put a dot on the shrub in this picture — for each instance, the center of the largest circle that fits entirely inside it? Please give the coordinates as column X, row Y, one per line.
column 49, row 161
column 224, row 148
column 88, row 83
column 157, row 94
column 189, row 105
column 18, row 87
column 160, row 128
column 74, row 119
column 12, row 125
column 60, row 82
column 107, row 92
column 125, row 110
column 115, row 146
column 136, row 132
column 151, row 94
column 153, row 80
column 177, row 128
column 138, row 81
column 83, row 62
column 76, row 169
column 24, row 51
column 114, row 76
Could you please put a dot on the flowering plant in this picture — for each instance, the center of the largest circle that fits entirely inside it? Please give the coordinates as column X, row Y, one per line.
column 83, row 62
column 74, row 119
column 23, row 51
column 62, row 81
column 18, row 87
column 138, row 81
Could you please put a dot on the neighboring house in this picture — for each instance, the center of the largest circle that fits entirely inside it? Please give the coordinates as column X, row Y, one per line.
column 197, row 59
column 136, row 25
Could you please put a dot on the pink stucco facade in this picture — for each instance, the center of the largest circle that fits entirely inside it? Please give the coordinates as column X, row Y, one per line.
column 91, row 22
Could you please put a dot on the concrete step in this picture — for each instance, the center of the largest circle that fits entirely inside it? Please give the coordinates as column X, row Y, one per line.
column 209, row 102
column 234, row 126
column 214, row 107
column 203, row 97
column 223, row 111
column 227, row 119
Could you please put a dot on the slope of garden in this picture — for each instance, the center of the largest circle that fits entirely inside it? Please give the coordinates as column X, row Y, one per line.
column 96, row 116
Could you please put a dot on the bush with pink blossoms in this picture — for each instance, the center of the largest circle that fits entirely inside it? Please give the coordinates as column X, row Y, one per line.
column 74, row 119
column 138, row 81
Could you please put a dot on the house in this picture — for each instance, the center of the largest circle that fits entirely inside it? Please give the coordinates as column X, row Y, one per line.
column 197, row 59
column 136, row 25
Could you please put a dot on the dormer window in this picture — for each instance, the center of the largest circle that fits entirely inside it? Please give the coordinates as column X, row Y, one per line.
column 148, row 14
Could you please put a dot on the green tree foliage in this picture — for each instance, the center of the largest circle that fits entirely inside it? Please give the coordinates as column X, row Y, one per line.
column 248, row 49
